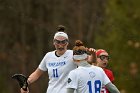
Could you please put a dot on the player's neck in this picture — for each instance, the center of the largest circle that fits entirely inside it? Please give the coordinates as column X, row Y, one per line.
column 84, row 64
column 59, row 53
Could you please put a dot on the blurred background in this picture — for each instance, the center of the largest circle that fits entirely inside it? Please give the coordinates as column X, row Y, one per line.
column 27, row 28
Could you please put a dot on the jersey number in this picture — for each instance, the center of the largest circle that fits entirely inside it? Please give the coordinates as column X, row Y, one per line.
column 97, row 86
column 55, row 73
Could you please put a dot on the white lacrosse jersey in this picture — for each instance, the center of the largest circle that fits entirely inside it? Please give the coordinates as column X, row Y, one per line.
column 58, row 69
column 87, row 79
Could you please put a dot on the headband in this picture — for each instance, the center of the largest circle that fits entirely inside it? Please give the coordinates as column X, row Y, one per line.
column 60, row 34
column 98, row 52
column 80, row 57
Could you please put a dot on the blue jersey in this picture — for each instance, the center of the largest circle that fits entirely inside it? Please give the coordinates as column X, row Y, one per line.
column 87, row 79
column 58, row 69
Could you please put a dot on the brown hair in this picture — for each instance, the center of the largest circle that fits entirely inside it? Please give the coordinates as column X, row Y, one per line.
column 61, row 28
column 79, row 46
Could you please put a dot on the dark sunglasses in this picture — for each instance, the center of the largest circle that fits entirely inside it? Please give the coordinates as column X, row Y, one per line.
column 61, row 42
column 102, row 57
column 79, row 52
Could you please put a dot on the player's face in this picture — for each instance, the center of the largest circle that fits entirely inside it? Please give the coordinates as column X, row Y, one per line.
column 102, row 59
column 60, row 43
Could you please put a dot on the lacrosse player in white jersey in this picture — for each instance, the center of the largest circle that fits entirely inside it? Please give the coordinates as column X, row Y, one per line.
column 58, row 63
column 87, row 78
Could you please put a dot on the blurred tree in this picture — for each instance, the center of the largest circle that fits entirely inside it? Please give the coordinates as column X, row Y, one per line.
column 120, row 35
column 27, row 28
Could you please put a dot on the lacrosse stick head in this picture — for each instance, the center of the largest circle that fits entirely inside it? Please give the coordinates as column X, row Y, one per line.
column 22, row 80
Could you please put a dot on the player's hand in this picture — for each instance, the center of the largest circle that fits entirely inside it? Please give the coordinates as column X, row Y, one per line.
column 23, row 91
column 91, row 50
column 92, row 56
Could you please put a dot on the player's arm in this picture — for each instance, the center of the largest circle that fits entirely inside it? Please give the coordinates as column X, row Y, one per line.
column 70, row 90
column 112, row 88
column 34, row 76
column 92, row 56
column 72, row 82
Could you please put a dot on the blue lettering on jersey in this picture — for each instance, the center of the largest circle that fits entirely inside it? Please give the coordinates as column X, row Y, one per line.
column 55, row 64
column 97, row 86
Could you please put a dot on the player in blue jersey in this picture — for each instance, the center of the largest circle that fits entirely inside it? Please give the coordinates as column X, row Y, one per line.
column 87, row 78
column 58, row 63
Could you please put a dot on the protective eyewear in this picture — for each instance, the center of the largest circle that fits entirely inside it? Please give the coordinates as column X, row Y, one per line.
column 102, row 57
column 61, row 42
column 79, row 52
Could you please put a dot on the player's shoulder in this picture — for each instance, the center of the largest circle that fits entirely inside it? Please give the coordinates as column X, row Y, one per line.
column 108, row 70
column 96, row 67
column 69, row 51
column 74, row 71
column 50, row 53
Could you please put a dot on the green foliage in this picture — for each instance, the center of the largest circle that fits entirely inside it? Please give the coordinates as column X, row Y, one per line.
column 120, row 36
column 27, row 28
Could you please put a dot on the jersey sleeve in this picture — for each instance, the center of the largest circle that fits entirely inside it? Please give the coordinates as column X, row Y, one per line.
column 72, row 81
column 42, row 65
